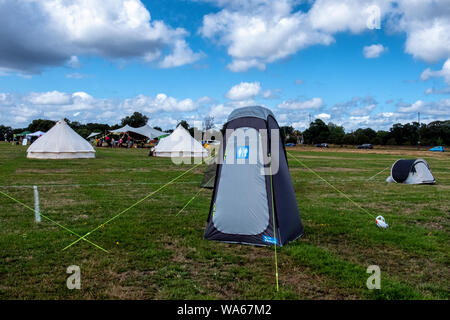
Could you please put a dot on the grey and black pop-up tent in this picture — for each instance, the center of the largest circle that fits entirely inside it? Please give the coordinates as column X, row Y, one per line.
column 411, row 171
column 253, row 202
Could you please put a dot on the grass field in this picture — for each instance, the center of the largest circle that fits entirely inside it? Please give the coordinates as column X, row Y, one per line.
column 155, row 253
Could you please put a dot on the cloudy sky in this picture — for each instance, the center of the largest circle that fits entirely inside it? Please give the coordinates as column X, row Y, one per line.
column 356, row 63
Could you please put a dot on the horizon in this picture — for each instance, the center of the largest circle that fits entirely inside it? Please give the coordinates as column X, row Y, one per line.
column 199, row 125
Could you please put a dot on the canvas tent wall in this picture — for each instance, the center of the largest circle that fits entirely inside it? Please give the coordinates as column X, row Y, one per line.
column 411, row 171
column 60, row 142
column 180, row 144
column 250, row 203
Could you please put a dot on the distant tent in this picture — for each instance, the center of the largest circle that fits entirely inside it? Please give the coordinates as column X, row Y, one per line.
column 411, row 171
column 145, row 131
column 439, row 148
column 180, row 144
column 22, row 134
column 60, row 142
column 251, row 204
column 148, row 132
column 209, row 176
column 36, row 134
column 124, row 129
column 93, row 134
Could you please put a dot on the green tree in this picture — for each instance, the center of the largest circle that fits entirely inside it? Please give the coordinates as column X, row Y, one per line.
column 317, row 132
column 364, row 135
column 349, row 139
column 136, row 120
column 40, row 125
column 5, row 133
column 382, row 137
column 398, row 134
column 286, row 133
column 337, row 133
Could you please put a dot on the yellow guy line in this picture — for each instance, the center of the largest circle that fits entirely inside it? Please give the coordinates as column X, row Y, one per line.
column 51, row 220
column 336, row 189
column 132, row 206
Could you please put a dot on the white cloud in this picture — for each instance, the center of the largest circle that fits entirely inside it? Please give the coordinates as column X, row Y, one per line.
column 6, row 99
column 444, row 72
column 220, row 112
column 362, row 111
column 244, row 91
column 49, row 98
column 181, row 55
column 323, row 116
column 443, row 90
column 439, row 108
column 271, row 94
column 259, row 32
column 427, row 25
column 159, row 103
column 348, row 15
column 314, row 103
column 60, row 31
column 19, row 110
column 373, row 51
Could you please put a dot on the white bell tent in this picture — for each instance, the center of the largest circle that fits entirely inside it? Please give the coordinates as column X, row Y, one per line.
column 180, row 144
column 60, row 142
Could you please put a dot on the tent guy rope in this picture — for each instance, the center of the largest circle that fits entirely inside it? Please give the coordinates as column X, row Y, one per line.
column 51, row 220
column 333, row 187
column 132, row 206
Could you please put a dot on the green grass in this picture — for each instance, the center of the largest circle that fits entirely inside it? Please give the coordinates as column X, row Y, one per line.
column 156, row 254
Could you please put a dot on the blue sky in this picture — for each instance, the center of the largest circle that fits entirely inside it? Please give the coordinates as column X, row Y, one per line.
column 96, row 61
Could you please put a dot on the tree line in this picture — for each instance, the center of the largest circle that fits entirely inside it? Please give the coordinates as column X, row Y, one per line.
column 136, row 120
column 409, row 134
column 434, row 133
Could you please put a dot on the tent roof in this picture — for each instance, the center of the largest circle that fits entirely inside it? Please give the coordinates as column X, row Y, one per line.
column 93, row 134
column 148, row 132
column 252, row 111
column 145, row 131
column 180, row 140
column 22, row 134
column 126, row 128
column 60, row 138
column 36, row 134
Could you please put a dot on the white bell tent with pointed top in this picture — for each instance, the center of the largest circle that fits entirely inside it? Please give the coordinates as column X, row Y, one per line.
column 60, row 142
column 180, row 144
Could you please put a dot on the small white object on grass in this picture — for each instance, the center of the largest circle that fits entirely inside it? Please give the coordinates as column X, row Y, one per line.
column 381, row 223
column 36, row 204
